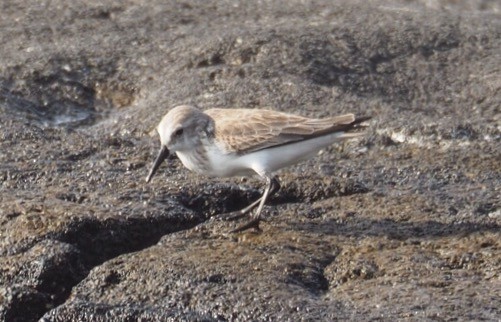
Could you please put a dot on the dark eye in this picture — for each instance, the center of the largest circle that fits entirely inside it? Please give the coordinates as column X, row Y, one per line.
column 178, row 132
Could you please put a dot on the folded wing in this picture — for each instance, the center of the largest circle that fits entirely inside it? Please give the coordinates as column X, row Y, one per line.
column 260, row 129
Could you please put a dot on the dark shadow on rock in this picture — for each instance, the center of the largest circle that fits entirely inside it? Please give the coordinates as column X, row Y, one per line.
column 27, row 304
column 45, row 280
column 100, row 241
column 216, row 198
column 96, row 311
column 92, row 241
column 219, row 198
column 66, row 92
column 310, row 275
column 360, row 227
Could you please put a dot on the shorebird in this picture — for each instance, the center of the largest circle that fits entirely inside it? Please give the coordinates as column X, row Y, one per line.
column 243, row 142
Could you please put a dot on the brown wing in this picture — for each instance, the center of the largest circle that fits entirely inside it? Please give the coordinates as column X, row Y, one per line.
column 246, row 130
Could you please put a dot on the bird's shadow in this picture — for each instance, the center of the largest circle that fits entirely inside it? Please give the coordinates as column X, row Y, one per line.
column 216, row 199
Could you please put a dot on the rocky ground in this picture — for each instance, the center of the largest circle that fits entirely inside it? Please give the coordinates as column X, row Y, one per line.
column 402, row 224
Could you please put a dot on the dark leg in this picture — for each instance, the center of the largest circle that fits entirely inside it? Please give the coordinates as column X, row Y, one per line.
column 275, row 186
column 271, row 184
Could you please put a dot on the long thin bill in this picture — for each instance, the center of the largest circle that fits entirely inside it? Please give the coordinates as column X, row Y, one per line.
column 162, row 155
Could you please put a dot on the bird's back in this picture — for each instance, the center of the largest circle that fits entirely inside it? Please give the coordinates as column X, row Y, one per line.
column 246, row 130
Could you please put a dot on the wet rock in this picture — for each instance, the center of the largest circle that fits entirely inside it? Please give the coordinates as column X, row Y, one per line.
column 401, row 224
column 38, row 279
column 280, row 274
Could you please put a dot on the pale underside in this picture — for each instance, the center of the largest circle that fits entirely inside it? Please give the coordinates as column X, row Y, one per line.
column 263, row 141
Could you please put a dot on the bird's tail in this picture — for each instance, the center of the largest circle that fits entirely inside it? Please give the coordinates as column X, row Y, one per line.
column 351, row 126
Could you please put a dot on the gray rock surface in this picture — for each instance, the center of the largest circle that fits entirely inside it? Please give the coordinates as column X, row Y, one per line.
column 402, row 224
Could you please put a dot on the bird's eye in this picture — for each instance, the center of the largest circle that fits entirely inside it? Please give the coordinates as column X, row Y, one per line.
column 178, row 132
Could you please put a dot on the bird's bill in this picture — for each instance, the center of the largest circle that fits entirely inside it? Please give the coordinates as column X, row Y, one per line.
column 162, row 155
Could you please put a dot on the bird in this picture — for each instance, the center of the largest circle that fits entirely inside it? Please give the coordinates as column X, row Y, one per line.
column 228, row 142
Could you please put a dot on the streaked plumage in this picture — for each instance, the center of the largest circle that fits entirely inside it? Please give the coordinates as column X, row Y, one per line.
column 231, row 142
column 260, row 129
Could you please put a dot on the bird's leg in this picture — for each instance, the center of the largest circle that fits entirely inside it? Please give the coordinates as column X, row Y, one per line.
column 275, row 186
column 272, row 185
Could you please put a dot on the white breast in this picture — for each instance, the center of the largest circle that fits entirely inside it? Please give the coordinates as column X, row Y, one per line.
column 228, row 164
column 214, row 162
column 269, row 160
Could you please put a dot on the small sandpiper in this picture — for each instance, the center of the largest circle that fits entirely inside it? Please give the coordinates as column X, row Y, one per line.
column 243, row 142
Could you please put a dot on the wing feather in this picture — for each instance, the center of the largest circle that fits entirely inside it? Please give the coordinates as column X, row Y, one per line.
column 247, row 130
